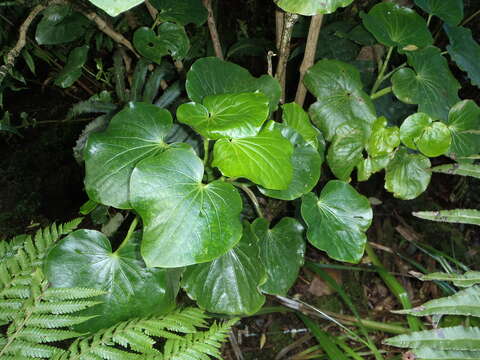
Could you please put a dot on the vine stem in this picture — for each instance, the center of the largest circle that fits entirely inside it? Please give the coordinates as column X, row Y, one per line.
column 252, row 198
column 380, row 77
column 131, row 229
column 212, row 27
column 309, row 56
column 380, row 93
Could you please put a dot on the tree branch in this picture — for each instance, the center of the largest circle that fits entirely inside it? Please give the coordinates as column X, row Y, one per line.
column 212, row 26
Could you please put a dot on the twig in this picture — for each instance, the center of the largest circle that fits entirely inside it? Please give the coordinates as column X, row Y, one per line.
column 270, row 54
column 253, row 199
column 470, row 18
column 151, row 10
column 309, row 56
column 279, row 22
column 290, row 20
column 212, row 26
column 235, row 347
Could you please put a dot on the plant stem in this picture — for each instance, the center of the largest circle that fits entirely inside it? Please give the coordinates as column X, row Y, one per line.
column 252, row 198
column 380, row 78
column 380, row 93
column 206, row 144
column 131, row 229
column 470, row 18
column 309, row 56
column 212, row 27
column 279, row 23
column 385, row 77
column 429, row 19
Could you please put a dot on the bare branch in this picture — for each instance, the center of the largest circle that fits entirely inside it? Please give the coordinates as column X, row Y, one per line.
column 212, row 26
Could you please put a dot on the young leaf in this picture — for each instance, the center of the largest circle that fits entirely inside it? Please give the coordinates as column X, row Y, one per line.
column 394, row 25
column 449, row 11
column 229, row 284
column 340, row 97
column 182, row 12
column 337, row 221
column 115, row 7
column 133, row 134
column 469, row 278
column 282, row 249
column 312, row 7
column 430, row 84
column 345, row 151
column 459, row 169
column 407, row 175
column 464, row 124
column 295, row 117
column 264, row 159
column 369, row 166
column 383, row 139
column 85, row 259
column 226, row 115
column 460, row 216
column 185, row 222
column 73, row 68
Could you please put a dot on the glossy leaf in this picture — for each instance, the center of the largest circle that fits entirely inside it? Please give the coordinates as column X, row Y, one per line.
column 425, row 353
column 464, row 124
column 282, row 249
column 116, row 7
column 135, row 133
column 212, row 76
column 337, row 221
column 467, row 279
column 73, row 68
column 430, row 84
column 369, row 166
column 312, row 7
column 345, row 151
column 407, row 175
column 340, row 97
column 449, row 11
column 394, row 25
column 307, row 163
column 185, row 222
column 170, row 39
column 383, row 139
column 295, row 117
column 459, row 169
column 459, row 216
column 182, row 12
column 226, row 115
column 265, row 159
column 451, row 338
column 60, row 24
column 85, row 259
column 465, row 51
column 230, row 283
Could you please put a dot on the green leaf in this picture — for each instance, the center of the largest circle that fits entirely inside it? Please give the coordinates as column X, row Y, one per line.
column 60, row 24
column 449, row 11
column 407, row 175
column 459, row 216
column 307, row 164
column 312, row 7
column 369, row 166
column 212, row 76
column 469, row 278
column 383, row 139
column 295, row 117
column 426, row 353
column 464, row 124
column 345, row 151
column 340, row 97
column 282, row 249
column 229, row 284
column 226, row 115
column 465, row 302
column 182, row 12
column 185, row 222
column 465, row 51
column 430, row 84
column 85, row 259
column 115, row 7
column 170, row 39
column 451, row 338
column 264, row 159
column 419, row 131
column 134, row 133
column 73, row 68
column 337, row 221
column 459, row 169
column 394, row 25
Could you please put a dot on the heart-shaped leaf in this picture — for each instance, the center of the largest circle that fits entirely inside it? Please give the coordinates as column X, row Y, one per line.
column 73, row 68
column 85, row 259
column 340, row 97
column 212, row 76
column 394, row 25
column 307, row 164
column 185, row 222
column 338, row 220
column 182, row 12
column 282, row 249
column 449, row 11
column 345, row 151
column 419, row 131
column 407, row 175
column 464, row 125
column 430, row 84
column 229, row 284
column 134, row 133
column 226, row 115
column 170, row 39
column 295, row 117
column 465, row 51
column 312, row 7
column 116, row 7
column 264, row 159
column 383, row 139
column 60, row 24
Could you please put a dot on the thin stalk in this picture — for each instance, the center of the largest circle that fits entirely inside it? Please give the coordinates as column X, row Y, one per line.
column 429, row 19
column 131, row 229
column 252, row 198
column 206, row 145
column 212, row 27
column 380, row 78
column 394, row 70
column 381, row 93
column 470, row 18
